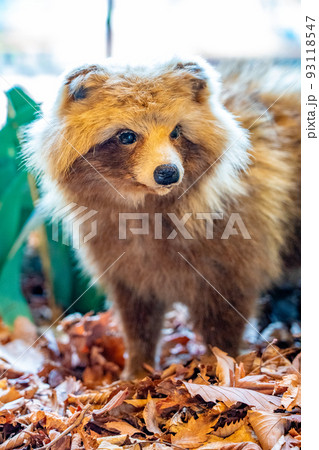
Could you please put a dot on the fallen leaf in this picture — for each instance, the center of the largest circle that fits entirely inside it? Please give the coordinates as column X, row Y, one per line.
column 231, row 395
column 230, row 446
column 14, row 405
column 249, row 361
column 225, row 367
column 261, row 383
column 228, row 429
column 22, row 356
column 9, row 394
column 243, row 435
column 150, row 416
column 115, row 401
column 122, row 427
column 193, row 433
column 269, row 427
column 114, row 442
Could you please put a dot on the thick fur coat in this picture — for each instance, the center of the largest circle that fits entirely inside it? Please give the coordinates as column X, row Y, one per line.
column 235, row 144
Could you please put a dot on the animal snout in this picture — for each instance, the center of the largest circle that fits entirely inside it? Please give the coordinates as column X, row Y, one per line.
column 166, row 174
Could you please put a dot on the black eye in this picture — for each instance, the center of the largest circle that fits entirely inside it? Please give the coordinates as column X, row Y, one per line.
column 175, row 134
column 127, row 137
column 80, row 93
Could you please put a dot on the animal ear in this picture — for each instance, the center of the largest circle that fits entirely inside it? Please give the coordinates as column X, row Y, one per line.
column 197, row 77
column 80, row 81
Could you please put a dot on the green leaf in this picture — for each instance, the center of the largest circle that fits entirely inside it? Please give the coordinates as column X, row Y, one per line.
column 61, row 268
column 8, row 141
column 8, row 170
column 35, row 220
column 12, row 302
column 10, row 214
column 22, row 109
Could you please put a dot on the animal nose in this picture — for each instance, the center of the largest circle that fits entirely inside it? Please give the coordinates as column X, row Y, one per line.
column 166, row 174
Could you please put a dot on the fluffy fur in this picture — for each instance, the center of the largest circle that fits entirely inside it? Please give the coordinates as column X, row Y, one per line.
column 238, row 151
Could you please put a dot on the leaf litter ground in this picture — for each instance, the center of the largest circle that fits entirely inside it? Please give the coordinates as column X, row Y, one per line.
column 64, row 391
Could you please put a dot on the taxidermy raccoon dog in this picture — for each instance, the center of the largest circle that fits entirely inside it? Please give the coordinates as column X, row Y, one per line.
column 196, row 185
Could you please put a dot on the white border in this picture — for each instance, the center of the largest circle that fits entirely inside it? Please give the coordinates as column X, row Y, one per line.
column 310, row 247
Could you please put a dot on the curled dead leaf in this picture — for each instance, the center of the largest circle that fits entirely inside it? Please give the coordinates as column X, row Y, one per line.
column 150, row 416
column 269, row 427
column 115, row 401
column 231, row 395
column 225, row 367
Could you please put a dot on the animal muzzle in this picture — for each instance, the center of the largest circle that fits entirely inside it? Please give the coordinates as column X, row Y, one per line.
column 166, row 174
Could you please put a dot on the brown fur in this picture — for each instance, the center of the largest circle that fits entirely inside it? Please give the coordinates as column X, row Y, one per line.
column 258, row 177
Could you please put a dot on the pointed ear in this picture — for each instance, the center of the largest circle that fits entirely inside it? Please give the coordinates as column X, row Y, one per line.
column 80, row 81
column 197, row 77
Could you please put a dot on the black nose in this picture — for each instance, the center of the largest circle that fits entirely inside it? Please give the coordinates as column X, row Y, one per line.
column 166, row 174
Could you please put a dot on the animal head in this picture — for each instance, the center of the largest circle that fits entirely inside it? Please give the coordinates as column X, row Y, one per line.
column 140, row 130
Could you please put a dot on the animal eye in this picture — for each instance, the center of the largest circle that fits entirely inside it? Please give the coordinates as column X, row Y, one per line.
column 175, row 134
column 80, row 93
column 127, row 137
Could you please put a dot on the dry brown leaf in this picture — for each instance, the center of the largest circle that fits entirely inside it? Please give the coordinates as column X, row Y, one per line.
column 154, row 446
column 36, row 416
column 292, row 397
column 243, row 435
column 94, row 398
column 249, row 361
column 17, row 440
column 296, row 363
column 150, row 416
column 115, row 401
column 88, row 441
column 269, row 427
column 12, row 406
column 68, row 387
column 225, row 367
column 9, row 394
column 122, row 427
column 232, row 395
column 261, row 383
column 230, row 446
column 290, row 443
column 53, row 421
column 137, row 402
column 193, row 433
column 52, row 402
column 114, row 442
column 273, row 356
column 62, row 444
column 229, row 429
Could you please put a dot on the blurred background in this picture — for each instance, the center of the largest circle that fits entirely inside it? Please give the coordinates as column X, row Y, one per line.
column 39, row 40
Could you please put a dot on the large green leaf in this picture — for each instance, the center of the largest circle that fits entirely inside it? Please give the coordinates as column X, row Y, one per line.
column 10, row 214
column 12, row 302
column 22, row 109
column 70, row 285
column 61, row 270
column 8, row 170
column 8, row 141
